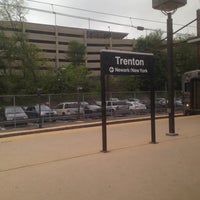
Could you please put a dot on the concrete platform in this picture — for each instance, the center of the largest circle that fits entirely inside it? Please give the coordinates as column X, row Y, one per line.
column 68, row 164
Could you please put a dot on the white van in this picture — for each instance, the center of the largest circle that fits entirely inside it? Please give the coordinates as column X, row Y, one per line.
column 69, row 108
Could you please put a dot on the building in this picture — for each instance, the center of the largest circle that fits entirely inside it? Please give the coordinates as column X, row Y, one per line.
column 53, row 41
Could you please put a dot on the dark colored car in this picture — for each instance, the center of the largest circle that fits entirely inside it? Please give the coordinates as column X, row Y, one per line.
column 13, row 115
column 43, row 111
column 92, row 111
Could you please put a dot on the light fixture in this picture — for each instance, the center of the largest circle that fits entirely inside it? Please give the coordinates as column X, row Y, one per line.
column 168, row 7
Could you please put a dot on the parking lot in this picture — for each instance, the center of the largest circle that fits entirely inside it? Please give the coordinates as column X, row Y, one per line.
column 34, row 111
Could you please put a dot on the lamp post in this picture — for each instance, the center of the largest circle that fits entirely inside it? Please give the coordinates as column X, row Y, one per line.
column 168, row 7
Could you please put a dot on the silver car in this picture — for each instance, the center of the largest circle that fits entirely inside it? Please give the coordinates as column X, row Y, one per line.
column 13, row 115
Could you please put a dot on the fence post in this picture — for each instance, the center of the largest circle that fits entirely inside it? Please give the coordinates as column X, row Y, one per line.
column 14, row 104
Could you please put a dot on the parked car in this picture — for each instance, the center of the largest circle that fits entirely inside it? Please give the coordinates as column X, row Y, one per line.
column 113, row 99
column 92, row 111
column 98, row 103
column 161, row 102
column 137, row 107
column 69, row 108
column 133, row 100
column 117, row 107
column 11, row 115
column 84, row 103
column 43, row 111
column 178, row 104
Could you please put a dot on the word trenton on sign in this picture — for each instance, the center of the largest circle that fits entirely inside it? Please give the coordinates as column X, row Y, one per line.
column 127, row 70
column 126, row 63
column 130, row 62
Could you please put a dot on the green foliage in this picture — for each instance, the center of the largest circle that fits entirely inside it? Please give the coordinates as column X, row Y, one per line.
column 71, row 77
column 185, row 57
column 76, row 53
column 152, row 44
column 74, row 75
column 123, row 83
column 7, row 53
column 29, row 56
column 19, row 59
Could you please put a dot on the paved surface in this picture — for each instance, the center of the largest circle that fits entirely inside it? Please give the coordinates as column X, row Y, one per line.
column 68, row 164
column 27, row 130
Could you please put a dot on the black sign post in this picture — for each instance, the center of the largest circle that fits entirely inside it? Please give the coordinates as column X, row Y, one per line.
column 125, row 63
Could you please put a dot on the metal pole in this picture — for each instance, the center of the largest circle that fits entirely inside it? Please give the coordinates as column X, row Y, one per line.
column 78, row 101
column 198, row 34
column 14, row 103
column 170, row 75
column 40, row 116
column 103, row 105
column 152, row 96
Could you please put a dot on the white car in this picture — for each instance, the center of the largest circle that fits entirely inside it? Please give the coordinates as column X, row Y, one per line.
column 13, row 115
column 136, row 106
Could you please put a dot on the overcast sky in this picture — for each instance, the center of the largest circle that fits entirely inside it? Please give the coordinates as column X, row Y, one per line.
column 136, row 12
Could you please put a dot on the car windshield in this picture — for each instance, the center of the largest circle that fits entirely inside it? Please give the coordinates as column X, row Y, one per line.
column 11, row 110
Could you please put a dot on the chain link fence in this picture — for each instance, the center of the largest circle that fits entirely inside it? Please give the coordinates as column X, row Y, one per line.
column 11, row 117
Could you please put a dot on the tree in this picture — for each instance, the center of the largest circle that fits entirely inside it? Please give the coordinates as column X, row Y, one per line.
column 12, row 10
column 152, row 43
column 16, row 51
column 71, row 77
column 29, row 56
column 185, row 57
column 6, row 53
column 76, row 53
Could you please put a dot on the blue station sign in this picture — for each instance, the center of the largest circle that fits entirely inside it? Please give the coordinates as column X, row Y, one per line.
column 126, row 63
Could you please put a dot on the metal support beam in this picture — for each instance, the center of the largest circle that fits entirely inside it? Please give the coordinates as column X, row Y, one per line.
column 198, row 34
